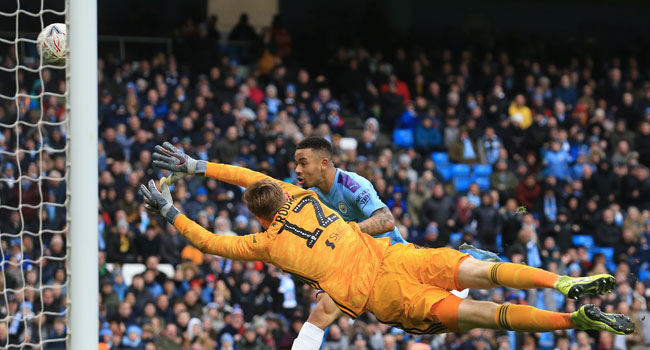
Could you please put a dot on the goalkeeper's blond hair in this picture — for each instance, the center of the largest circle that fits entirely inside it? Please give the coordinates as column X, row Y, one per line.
column 264, row 198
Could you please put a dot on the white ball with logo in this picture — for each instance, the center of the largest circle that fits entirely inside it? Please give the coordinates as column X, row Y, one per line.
column 51, row 44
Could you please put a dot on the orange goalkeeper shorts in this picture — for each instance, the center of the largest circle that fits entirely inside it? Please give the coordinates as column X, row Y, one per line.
column 411, row 281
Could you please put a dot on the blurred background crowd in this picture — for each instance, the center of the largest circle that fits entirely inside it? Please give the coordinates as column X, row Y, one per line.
column 542, row 160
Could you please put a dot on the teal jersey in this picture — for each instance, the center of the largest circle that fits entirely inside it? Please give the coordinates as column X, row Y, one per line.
column 355, row 199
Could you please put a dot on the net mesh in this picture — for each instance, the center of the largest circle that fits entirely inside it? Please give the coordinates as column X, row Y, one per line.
column 33, row 194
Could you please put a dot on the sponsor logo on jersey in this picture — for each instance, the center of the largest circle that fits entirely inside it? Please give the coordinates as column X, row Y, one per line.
column 348, row 182
column 363, row 198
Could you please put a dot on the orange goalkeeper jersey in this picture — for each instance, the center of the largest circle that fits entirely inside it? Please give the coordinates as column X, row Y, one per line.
column 306, row 239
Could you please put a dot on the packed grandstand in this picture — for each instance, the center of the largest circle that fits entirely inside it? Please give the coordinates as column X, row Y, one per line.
column 543, row 162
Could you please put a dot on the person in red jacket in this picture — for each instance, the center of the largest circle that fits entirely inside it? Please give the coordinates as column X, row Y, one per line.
column 402, row 88
column 528, row 191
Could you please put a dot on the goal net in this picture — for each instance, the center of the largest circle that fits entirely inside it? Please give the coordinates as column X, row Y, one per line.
column 34, row 198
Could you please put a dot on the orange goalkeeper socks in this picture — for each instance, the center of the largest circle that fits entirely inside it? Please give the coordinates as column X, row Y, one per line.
column 524, row 318
column 521, row 276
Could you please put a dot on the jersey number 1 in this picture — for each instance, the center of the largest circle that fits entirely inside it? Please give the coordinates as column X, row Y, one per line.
column 323, row 221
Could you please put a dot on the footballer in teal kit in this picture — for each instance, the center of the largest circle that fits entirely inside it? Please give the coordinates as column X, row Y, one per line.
column 351, row 195
column 355, row 199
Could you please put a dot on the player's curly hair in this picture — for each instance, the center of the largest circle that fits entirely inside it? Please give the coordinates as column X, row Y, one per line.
column 264, row 198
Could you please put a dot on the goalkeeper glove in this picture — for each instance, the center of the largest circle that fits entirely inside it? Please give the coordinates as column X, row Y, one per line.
column 170, row 158
column 164, row 188
column 159, row 203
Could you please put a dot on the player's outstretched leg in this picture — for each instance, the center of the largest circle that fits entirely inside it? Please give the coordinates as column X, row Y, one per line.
column 473, row 273
column 524, row 318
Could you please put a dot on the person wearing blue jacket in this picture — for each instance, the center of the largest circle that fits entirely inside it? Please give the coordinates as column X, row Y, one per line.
column 427, row 137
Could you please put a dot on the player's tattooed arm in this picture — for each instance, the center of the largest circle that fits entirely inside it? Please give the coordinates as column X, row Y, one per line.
column 381, row 221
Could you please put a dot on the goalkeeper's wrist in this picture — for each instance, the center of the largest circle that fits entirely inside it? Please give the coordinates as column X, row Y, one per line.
column 201, row 167
column 170, row 213
column 196, row 167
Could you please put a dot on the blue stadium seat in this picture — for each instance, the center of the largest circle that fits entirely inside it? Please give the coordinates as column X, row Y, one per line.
column 456, row 236
column 644, row 275
column 445, row 171
column 483, row 183
column 403, row 138
column 606, row 251
column 546, row 339
column 483, row 170
column 583, row 240
column 541, row 303
column 440, row 158
column 461, row 170
column 500, row 242
column 611, row 266
column 461, row 183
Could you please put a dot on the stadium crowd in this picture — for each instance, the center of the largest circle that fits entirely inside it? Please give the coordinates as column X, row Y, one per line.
column 544, row 162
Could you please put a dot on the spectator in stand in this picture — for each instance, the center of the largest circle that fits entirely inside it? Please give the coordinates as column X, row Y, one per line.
column 427, row 136
column 438, row 210
column 488, row 223
column 366, row 146
column 549, row 205
column 623, row 153
column 603, row 184
column 520, row 113
column 557, row 161
column 491, row 145
column 391, row 106
column 148, row 244
column 281, row 36
column 244, row 33
column 607, row 233
column 120, row 244
column 466, row 150
column 172, row 243
column 503, row 180
column 409, row 118
column 511, row 222
column 620, row 133
column 401, row 89
column 528, row 191
column 566, row 93
column 642, row 143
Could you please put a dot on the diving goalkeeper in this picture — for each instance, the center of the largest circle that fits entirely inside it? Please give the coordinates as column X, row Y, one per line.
column 402, row 285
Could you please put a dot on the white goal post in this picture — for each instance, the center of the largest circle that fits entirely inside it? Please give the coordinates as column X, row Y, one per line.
column 47, row 135
column 82, row 214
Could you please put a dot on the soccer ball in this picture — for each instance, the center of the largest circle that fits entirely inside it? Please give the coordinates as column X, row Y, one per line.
column 51, row 44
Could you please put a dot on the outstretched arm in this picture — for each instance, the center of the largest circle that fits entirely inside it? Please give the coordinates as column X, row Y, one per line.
column 170, row 158
column 249, row 247
column 235, row 175
column 381, row 221
column 240, row 176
